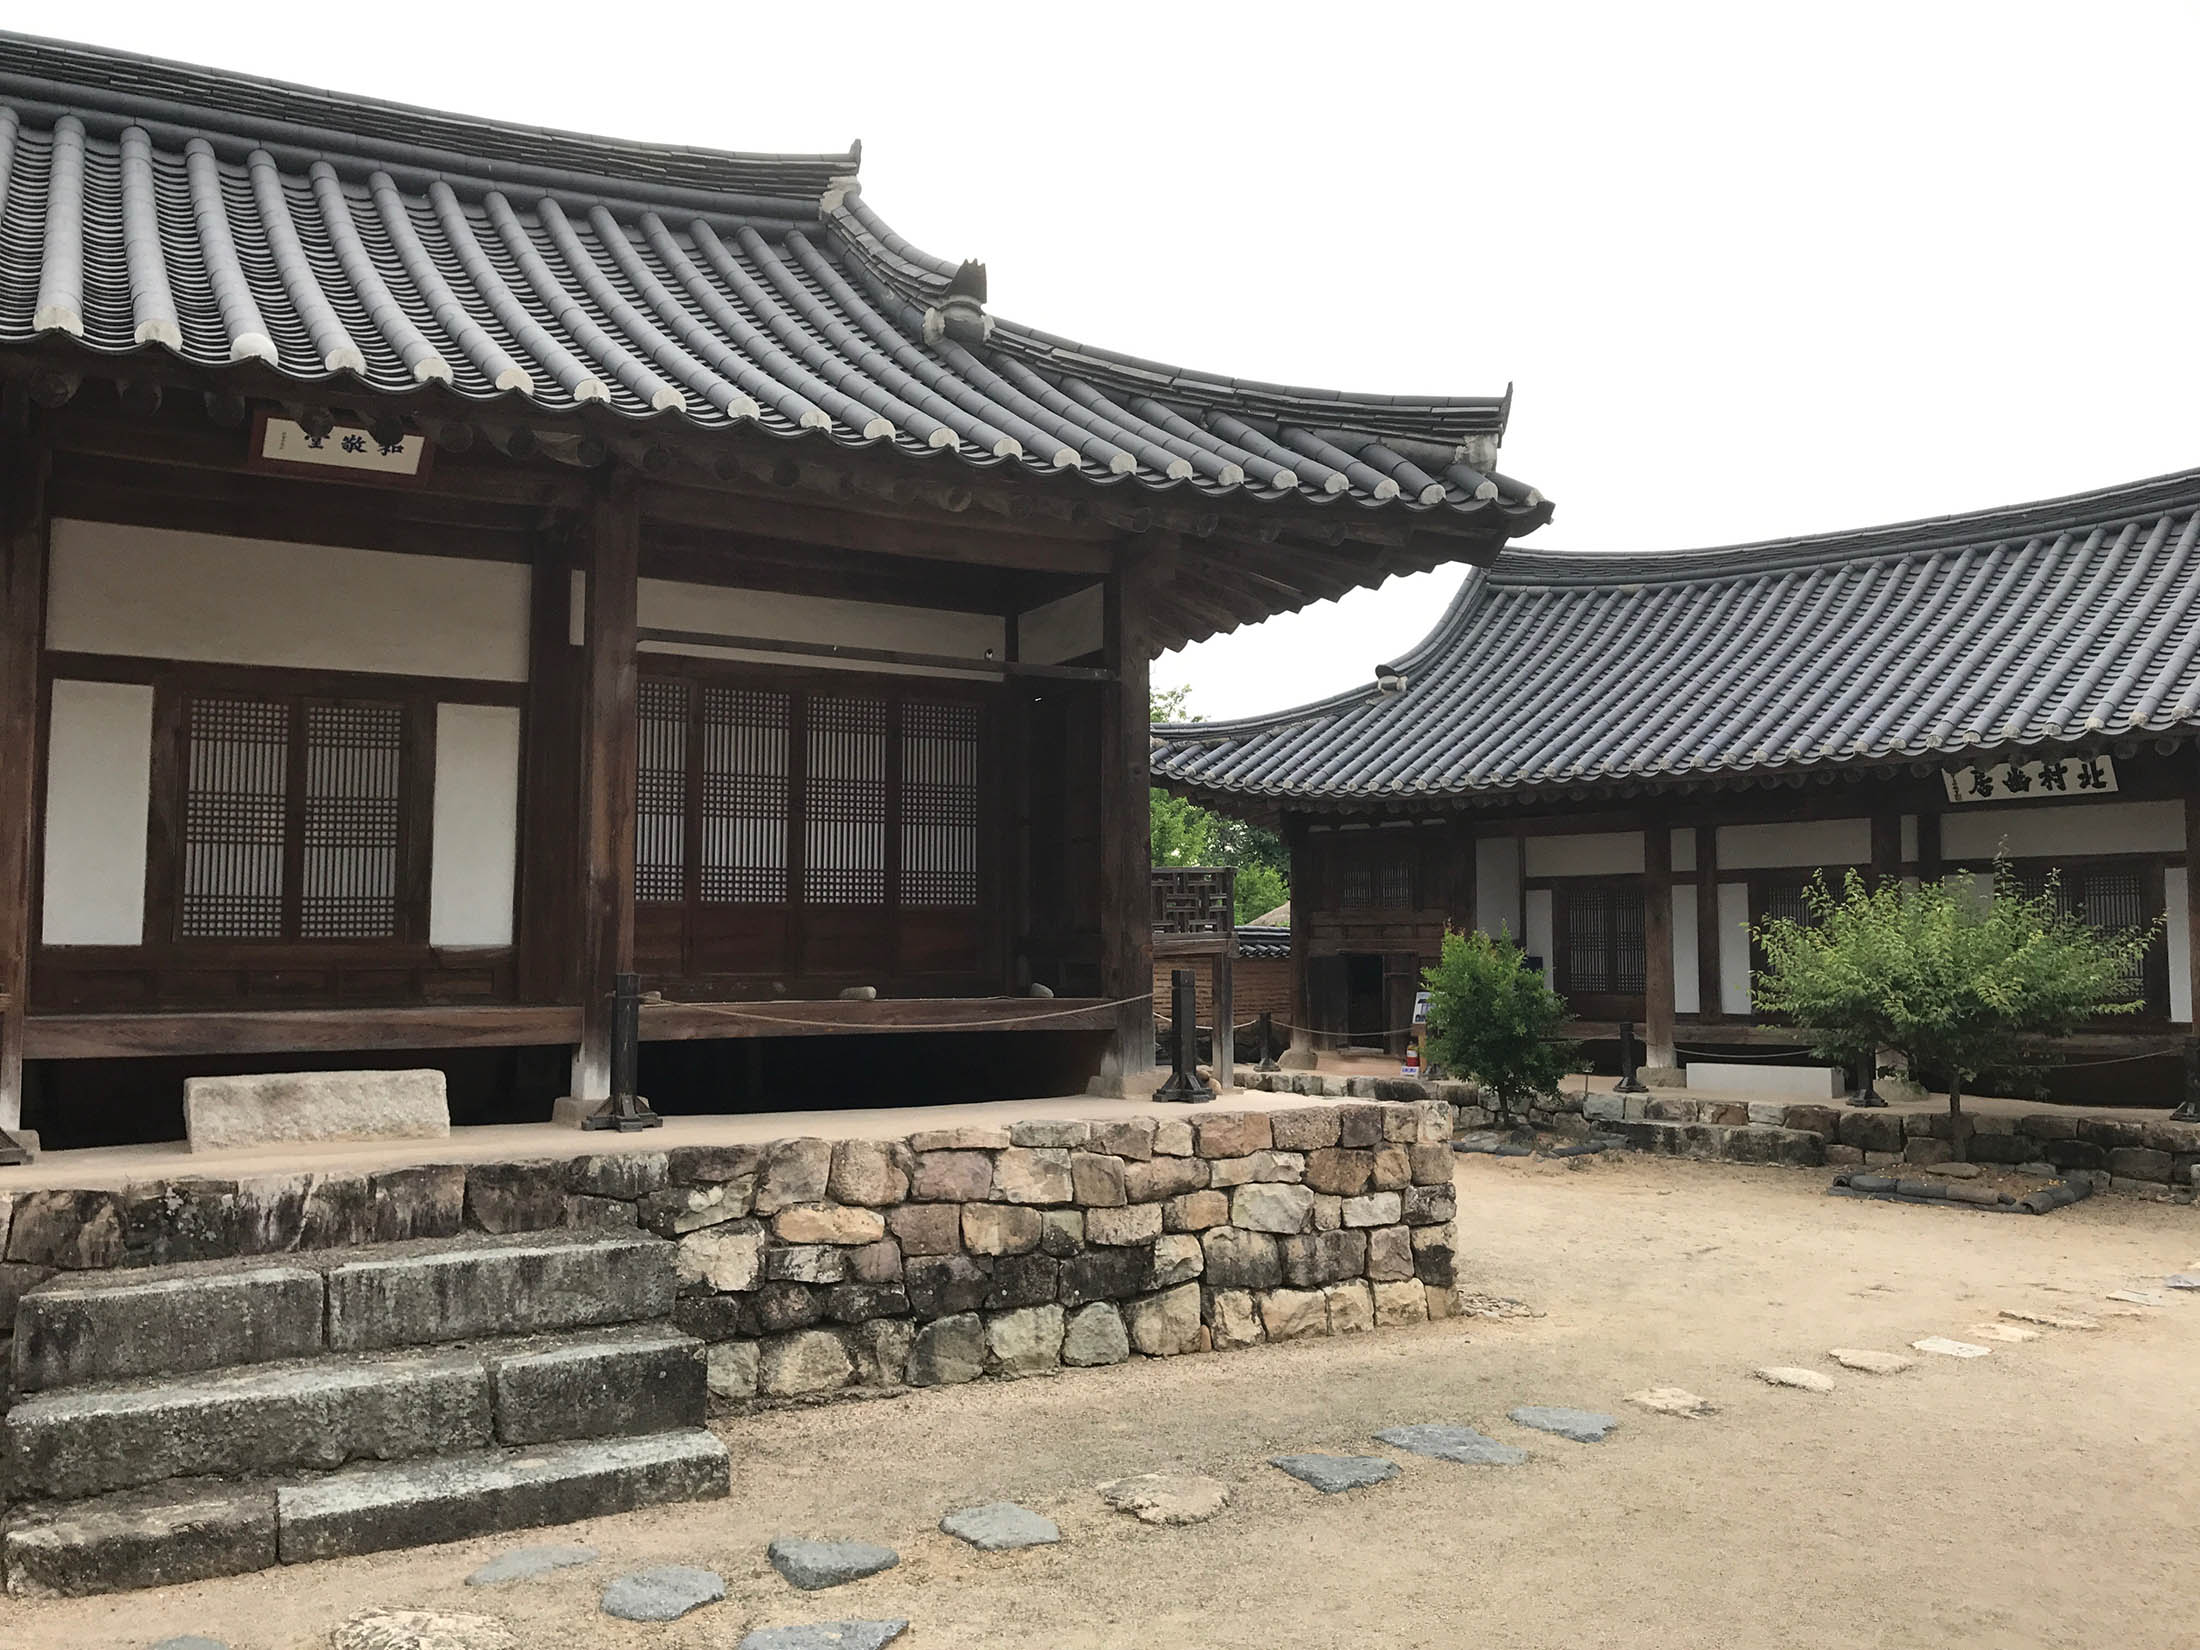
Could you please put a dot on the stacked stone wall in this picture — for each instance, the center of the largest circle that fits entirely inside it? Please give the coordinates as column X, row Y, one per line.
column 2154, row 1159
column 813, row 1265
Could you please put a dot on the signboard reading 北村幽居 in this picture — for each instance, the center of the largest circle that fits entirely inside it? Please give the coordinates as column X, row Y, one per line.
column 2065, row 777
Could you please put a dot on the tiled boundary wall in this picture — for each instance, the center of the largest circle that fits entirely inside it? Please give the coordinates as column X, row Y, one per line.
column 2153, row 1159
column 811, row 1264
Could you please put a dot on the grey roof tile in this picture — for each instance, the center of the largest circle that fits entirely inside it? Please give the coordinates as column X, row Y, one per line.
column 2005, row 628
column 147, row 205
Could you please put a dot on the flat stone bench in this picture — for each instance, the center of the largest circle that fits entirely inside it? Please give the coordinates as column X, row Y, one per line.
column 224, row 1113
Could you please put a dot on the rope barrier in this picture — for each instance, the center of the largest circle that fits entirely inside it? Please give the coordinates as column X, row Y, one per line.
column 947, row 1025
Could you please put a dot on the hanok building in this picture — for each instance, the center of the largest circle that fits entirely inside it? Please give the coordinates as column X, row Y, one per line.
column 1628, row 760
column 449, row 564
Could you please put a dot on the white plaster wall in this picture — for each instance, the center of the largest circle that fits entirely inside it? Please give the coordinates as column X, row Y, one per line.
column 1684, row 848
column 1541, row 940
column 1497, row 886
column 476, row 836
column 2078, row 828
column 2179, row 936
column 98, row 781
column 1909, row 839
column 1611, row 854
column 1687, row 976
column 1069, row 628
column 1733, row 947
column 157, row 594
column 1795, row 842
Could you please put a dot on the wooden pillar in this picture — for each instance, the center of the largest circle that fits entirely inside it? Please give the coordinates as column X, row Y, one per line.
column 1928, row 847
column 1126, row 891
column 609, row 746
column 1225, row 995
column 23, row 471
column 2192, row 951
column 1707, row 925
column 1657, row 939
column 1304, row 898
column 1886, row 848
column 549, row 849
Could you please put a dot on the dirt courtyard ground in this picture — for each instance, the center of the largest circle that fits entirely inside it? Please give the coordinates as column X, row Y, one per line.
column 2047, row 1495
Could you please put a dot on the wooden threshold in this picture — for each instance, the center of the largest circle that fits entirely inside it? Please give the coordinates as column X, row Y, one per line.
column 295, row 1030
column 500, row 1025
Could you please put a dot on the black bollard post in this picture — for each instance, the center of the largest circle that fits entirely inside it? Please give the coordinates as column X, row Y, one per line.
column 1184, row 1086
column 1630, row 1062
column 1268, row 1043
column 2189, row 1112
column 626, row 1110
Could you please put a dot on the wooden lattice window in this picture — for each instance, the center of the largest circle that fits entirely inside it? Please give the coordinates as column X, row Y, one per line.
column 1375, row 877
column 236, row 804
column 661, row 785
column 2108, row 898
column 1602, row 943
column 292, row 821
column 939, row 804
column 744, row 797
column 845, row 802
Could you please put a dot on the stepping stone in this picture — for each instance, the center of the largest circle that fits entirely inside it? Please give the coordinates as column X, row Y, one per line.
column 1804, row 1380
column 826, row 1635
column 1583, row 1426
column 2182, row 1280
column 1449, row 1443
column 665, row 1594
column 2052, row 1320
column 1955, row 1171
column 1167, row 1498
column 2013, row 1334
column 1871, row 1363
column 422, row 1630
column 1672, row 1400
column 2138, row 1297
column 999, row 1527
column 528, row 1563
column 1334, row 1474
column 812, row 1565
column 1949, row 1349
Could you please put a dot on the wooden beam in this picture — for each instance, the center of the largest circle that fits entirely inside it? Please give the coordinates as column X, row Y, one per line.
column 1657, row 938
column 298, row 1031
column 1126, row 894
column 851, row 526
column 609, row 751
column 23, row 472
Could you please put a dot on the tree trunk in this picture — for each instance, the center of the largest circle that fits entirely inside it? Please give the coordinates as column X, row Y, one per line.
column 1956, row 1131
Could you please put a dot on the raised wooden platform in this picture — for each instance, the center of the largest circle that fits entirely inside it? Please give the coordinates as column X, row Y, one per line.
column 500, row 1025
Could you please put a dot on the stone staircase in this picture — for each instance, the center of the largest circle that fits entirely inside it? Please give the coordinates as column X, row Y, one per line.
column 182, row 1422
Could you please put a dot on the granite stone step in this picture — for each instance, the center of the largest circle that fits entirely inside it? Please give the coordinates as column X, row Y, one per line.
column 166, row 1320
column 141, row 1538
column 611, row 1383
column 85, row 1441
column 412, row 1503
column 425, row 1294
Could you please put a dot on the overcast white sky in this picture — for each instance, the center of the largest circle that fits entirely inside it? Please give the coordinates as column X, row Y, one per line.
column 1754, row 269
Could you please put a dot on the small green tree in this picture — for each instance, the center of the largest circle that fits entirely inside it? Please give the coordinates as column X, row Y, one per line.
column 1183, row 833
column 1946, row 976
column 1493, row 1019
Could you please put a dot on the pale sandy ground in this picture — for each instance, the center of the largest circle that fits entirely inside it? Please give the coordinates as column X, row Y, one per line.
column 2047, row 1495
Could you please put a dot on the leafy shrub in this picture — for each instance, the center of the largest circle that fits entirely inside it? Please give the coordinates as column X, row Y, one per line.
column 1492, row 1018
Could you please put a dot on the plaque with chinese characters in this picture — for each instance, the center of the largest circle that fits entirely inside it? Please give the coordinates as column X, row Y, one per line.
column 284, row 441
column 2066, row 776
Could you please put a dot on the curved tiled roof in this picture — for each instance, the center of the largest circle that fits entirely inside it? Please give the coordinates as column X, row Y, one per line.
column 2047, row 623
column 148, row 206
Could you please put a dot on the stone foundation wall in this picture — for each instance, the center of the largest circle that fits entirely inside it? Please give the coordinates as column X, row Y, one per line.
column 2154, row 1159
column 812, row 1264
